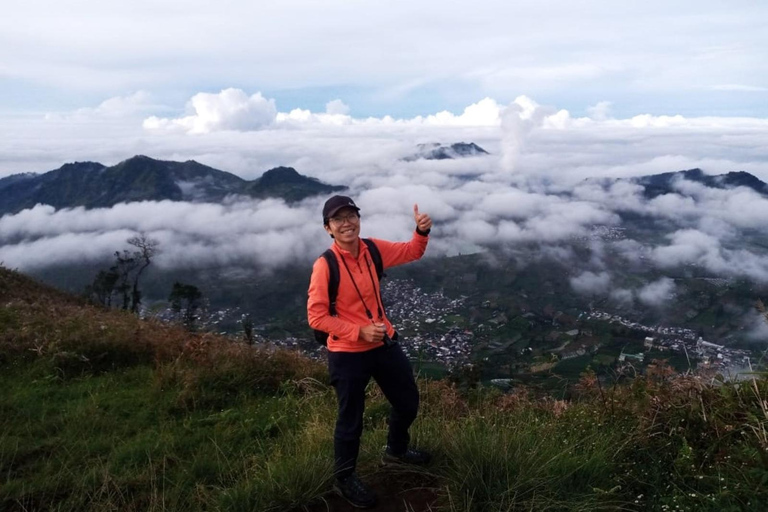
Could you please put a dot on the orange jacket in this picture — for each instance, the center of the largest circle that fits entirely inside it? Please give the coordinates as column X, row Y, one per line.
column 344, row 329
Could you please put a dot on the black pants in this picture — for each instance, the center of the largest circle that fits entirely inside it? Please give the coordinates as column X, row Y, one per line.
column 350, row 373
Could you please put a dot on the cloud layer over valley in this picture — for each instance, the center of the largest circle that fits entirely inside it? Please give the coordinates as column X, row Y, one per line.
column 535, row 192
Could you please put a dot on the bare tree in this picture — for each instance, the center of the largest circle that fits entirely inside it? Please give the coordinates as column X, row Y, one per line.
column 125, row 263
column 147, row 248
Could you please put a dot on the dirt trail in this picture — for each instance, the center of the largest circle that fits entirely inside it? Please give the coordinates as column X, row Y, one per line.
column 400, row 491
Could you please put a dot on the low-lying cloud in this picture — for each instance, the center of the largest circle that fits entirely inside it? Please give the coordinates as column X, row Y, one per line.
column 532, row 190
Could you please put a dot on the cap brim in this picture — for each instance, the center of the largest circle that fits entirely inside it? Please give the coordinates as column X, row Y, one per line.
column 336, row 210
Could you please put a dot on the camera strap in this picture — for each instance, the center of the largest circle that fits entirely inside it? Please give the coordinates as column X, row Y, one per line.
column 378, row 303
column 378, row 295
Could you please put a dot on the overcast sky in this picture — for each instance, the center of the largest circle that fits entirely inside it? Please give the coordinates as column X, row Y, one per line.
column 390, row 57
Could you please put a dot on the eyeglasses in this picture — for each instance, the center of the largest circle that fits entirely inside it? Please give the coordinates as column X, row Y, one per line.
column 352, row 218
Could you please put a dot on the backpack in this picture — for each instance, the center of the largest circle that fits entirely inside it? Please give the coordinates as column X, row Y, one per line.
column 333, row 281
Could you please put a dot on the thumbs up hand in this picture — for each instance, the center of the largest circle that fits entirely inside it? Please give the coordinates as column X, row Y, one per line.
column 423, row 221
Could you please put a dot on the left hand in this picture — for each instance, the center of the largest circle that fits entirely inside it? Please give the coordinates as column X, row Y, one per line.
column 423, row 221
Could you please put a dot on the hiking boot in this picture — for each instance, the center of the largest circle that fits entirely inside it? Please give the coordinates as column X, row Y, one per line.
column 355, row 492
column 410, row 456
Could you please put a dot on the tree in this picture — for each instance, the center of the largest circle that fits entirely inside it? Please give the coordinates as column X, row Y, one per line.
column 147, row 248
column 125, row 264
column 103, row 287
column 122, row 278
column 185, row 300
column 248, row 328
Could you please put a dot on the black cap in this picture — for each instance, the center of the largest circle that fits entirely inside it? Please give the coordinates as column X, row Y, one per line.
column 335, row 204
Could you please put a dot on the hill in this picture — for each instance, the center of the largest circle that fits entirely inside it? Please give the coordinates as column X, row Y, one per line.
column 288, row 184
column 101, row 410
column 140, row 178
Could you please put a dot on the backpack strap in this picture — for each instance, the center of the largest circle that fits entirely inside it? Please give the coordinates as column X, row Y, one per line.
column 333, row 280
column 333, row 291
column 375, row 256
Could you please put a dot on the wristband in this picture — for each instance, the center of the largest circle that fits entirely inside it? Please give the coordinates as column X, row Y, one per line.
column 423, row 233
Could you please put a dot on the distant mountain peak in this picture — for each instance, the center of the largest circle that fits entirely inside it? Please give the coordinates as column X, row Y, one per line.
column 439, row 151
column 281, row 174
column 658, row 184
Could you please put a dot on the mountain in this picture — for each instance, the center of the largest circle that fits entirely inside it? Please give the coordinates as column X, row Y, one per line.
column 93, row 185
column 659, row 184
column 285, row 182
column 438, row 151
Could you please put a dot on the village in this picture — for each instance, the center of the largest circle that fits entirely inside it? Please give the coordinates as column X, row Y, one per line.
column 420, row 316
column 680, row 340
column 432, row 329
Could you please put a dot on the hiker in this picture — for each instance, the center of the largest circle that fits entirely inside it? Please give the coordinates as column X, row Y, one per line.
column 362, row 342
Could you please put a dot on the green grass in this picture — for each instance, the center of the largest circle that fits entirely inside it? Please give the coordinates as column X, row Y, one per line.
column 126, row 440
column 118, row 440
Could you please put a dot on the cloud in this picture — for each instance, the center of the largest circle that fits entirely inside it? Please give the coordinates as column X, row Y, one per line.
column 658, row 293
column 622, row 296
column 756, row 325
column 739, row 88
column 688, row 246
column 600, row 111
column 231, row 109
column 590, row 283
column 259, row 234
column 336, row 107
column 485, row 112
column 115, row 108
column 530, row 192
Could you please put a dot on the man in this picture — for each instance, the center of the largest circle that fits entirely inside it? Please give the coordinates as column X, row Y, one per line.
column 362, row 342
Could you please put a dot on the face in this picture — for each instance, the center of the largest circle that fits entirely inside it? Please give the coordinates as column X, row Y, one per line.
column 344, row 225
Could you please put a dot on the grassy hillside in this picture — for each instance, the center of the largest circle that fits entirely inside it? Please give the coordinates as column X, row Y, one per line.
column 102, row 411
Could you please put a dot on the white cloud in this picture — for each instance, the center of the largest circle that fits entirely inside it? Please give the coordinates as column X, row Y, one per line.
column 116, row 108
column 336, row 107
column 256, row 233
column 658, row 293
column 688, row 246
column 600, row 111
column 476, row 202
column 590, row 283
column 231, row 109
column 486, row 112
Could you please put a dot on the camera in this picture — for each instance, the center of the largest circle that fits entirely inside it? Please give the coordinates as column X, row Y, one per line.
column 389, row 342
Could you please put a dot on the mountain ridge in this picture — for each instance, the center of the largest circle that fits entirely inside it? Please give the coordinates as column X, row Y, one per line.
column 659, row 184
column 141, row 178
